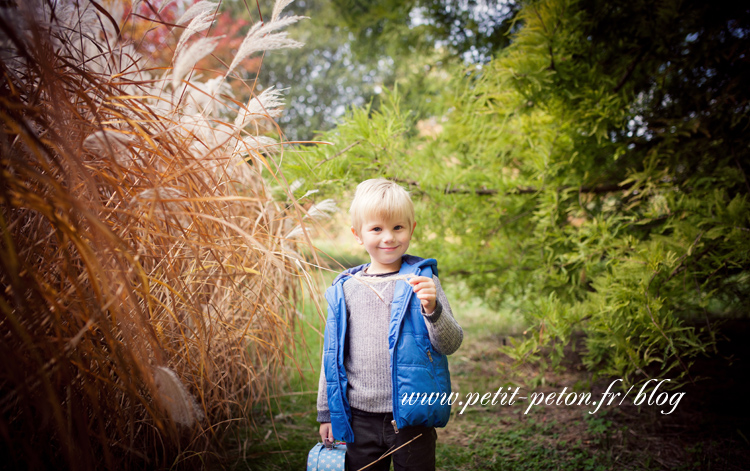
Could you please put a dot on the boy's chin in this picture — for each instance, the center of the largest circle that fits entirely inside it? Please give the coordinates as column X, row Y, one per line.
column 388, row 261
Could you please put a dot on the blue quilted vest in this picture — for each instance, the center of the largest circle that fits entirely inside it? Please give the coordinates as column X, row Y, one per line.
column 415, row 366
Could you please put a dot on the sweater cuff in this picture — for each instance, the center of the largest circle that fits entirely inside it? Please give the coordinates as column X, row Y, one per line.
column 435, row 314
column 324, row 416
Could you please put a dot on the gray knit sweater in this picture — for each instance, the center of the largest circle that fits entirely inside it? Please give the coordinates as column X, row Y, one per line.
column 367, row 361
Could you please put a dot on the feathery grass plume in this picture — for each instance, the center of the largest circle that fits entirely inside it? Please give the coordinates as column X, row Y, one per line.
column 267, row 104
column 148, row 289
column 186, row 58
column 175, row 398
column 268, row 144
column 112, row 142
column 259, row 38
column 198, row 24
column 195, row 10
column 278, row 8
column 322, row 210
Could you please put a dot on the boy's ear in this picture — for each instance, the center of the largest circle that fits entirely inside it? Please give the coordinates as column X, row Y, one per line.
column 356, row 236
column 413, row 227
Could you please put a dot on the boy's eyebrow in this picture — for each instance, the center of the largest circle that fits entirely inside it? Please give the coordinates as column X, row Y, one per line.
column 383, row 223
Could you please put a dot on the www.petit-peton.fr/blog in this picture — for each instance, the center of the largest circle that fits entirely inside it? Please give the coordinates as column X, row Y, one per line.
column 645, row 397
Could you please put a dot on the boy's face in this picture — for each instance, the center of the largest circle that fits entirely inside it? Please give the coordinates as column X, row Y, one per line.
column 386, row 240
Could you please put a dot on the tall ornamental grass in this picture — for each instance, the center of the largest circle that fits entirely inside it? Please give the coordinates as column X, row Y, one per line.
column 148, row 279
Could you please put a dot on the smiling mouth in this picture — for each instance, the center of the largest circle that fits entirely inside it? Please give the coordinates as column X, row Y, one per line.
column 389, row 248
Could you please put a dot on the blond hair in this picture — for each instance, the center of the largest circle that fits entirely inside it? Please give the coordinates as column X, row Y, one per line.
column 380, row 198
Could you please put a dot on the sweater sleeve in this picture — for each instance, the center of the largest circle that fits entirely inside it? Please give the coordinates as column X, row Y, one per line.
column 324, row 415
column 445, row 333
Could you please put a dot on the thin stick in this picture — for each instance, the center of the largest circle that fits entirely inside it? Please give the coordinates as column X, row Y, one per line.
column 373, row 281
column 390, row 453
column 342, row 151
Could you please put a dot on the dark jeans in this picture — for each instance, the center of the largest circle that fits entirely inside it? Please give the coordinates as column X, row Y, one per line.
column 374, row 436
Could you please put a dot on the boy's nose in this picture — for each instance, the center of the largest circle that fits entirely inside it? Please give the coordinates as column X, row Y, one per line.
column 387, row 236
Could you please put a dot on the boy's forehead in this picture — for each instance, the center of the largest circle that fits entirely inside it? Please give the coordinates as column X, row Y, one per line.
column 381, row 217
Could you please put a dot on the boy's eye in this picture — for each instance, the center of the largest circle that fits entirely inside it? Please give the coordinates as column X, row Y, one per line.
column 375, row 229
column 398, row 228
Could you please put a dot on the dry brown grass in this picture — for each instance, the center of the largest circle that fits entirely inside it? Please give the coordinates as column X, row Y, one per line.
column 147, row 287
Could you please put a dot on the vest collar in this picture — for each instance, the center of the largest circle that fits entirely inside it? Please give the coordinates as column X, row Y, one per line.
column 409, row 265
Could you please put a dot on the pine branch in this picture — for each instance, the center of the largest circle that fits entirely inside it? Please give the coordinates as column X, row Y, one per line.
column 520, row 190
column 630, row 69
column 341, row 152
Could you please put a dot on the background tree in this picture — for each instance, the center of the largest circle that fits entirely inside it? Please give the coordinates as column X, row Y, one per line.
column 593, row 176
column 358, row 49
column 326, row 76
column 473, row 30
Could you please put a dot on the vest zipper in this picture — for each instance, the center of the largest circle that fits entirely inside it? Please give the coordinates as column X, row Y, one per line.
column 341, row 320
column 394, row 361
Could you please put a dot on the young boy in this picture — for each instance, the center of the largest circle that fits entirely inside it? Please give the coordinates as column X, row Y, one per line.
column 385, row 376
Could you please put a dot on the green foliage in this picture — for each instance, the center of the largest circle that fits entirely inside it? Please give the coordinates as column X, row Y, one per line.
column 473, row 30
column 593, row 177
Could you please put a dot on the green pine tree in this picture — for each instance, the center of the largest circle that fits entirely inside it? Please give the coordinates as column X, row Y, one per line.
column 593, row 176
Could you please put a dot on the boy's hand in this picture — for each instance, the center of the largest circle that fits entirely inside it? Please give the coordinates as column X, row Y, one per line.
column 326, row 433
column 426, row 291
